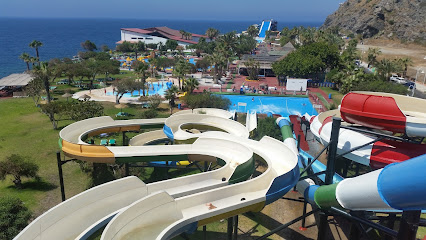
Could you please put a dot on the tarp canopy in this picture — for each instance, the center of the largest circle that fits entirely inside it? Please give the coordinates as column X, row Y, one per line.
column 16, row 80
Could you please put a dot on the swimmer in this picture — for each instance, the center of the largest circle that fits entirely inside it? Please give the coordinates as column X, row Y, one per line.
column 252, row 99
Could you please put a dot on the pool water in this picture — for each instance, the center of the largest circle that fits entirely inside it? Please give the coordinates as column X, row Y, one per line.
column 154, row 88
column 284, row 106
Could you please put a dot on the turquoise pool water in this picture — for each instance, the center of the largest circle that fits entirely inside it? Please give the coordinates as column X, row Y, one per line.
column 284, row 106
column 154, row 88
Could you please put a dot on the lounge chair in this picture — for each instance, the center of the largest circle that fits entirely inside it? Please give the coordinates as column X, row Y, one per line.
column 111, row 142
column 104, row 142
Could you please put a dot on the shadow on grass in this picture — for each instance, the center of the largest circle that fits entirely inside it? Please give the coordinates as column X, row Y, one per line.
column 38, row 185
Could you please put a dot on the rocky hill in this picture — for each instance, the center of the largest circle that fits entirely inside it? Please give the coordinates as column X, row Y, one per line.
column 402, row 19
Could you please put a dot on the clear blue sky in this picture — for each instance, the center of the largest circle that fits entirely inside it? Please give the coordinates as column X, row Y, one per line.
column 281, row 10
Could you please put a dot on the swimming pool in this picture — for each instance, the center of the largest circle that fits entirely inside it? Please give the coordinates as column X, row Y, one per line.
column 284, row 106
column 154, row 88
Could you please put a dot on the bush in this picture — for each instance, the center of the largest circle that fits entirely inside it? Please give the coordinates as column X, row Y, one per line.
column 154, row 101
column 268, row 127
column 206, row 100
column 18, row 167
column 381, row 86
column 14, row 217
column 150, row 113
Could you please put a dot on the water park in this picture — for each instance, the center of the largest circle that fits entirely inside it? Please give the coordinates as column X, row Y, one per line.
column 225, row 188
column 232, row 136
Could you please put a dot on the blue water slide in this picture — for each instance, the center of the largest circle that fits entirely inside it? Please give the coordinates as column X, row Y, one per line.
column 266, row 25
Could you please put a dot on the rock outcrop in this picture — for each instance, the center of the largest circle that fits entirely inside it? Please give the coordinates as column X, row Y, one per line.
column 402, row 19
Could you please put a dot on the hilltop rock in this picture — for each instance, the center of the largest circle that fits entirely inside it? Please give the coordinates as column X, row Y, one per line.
column 402, row 19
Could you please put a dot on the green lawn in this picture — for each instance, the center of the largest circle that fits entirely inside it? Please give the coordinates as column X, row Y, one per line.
column 335, row 95
column 27, row 132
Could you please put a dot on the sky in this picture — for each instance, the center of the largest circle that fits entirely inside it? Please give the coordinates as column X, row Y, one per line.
column 242, row 10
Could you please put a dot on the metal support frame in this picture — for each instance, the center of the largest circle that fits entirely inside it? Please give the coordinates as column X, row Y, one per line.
column 235, row 227
column 331, row 158
column 230, row 228
column 61, row 176
column 409, row 225
column 287, row 224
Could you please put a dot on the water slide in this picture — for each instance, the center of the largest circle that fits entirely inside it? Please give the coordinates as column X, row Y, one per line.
column 175, row 205
column 251, row 121
column 380, row 153
column 266, row 25
column 398, row 186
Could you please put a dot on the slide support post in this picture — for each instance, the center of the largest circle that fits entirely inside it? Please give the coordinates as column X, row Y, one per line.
column 61, row 177
column 409, row 225
column 235, row 227
column 229, row 229
column 329, row 172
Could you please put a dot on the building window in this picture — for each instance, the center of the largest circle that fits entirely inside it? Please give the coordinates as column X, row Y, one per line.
column 134, row 38
column 148, row 38
column 140, row 38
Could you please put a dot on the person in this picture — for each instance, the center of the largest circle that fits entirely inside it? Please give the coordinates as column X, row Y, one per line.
column 105, row 91
column 252, row 99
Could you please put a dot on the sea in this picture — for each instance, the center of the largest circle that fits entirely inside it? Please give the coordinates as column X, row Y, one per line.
column 62, row 37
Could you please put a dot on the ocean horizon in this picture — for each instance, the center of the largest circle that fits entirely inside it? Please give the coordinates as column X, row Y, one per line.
column 61, row 37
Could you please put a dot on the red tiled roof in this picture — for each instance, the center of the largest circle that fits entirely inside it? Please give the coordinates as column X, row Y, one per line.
column 137, row 30
column 166, row 32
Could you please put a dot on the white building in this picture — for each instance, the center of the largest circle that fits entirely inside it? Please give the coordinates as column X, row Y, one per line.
column 157, row 35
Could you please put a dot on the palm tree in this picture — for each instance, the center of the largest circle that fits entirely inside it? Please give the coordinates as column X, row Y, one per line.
column 385, row 67
column 170, row 95
column 36, row 44
column 191, row 84
column 141, row 69
column 405, row 62
column 26, row 58
column 212, row 33
column 180, row 70
column 372, row 54
column 218, row 60
column 182, row 32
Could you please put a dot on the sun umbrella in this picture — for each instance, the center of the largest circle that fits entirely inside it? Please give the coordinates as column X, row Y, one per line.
column 67, row 95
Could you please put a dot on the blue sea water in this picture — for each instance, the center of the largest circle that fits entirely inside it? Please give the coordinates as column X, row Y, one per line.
column 285, row 106
column 62, row 37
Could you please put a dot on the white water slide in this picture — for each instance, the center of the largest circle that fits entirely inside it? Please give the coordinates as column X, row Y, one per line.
column 161, row 210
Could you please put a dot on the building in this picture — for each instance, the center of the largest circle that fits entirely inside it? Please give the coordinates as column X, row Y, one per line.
column 156, row 35
column 266, row 57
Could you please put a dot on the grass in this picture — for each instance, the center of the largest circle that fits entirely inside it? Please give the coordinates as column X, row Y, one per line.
column 336, row 96
column 27, row 132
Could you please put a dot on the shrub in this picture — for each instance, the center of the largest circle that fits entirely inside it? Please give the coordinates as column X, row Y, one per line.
column 206, row 100
column 14, row 217
column 154, row 101
column 381, row 86
column 268, row 127
column 18, row 167
column 150, row 113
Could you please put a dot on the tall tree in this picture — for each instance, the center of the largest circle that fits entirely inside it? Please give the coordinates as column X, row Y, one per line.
column 138, row 47
column 171, row 44
column 212, row 33
column 26, row 58
column 385, row 67
column 372, row 54
column 36, row 44
column 405, row 63
column 218, row 60
column 34, row 88
column 14, row 216
column 141, row 69
column 252, row 31
column 45, row 73
column 180, row 70
column 170, row 95
column 182, row 33
column 191, row 84
column 252, row 68
column 88, row 46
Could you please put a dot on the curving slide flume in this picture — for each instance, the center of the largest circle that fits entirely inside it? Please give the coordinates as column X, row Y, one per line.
column 382, row 111
column 176, row 205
